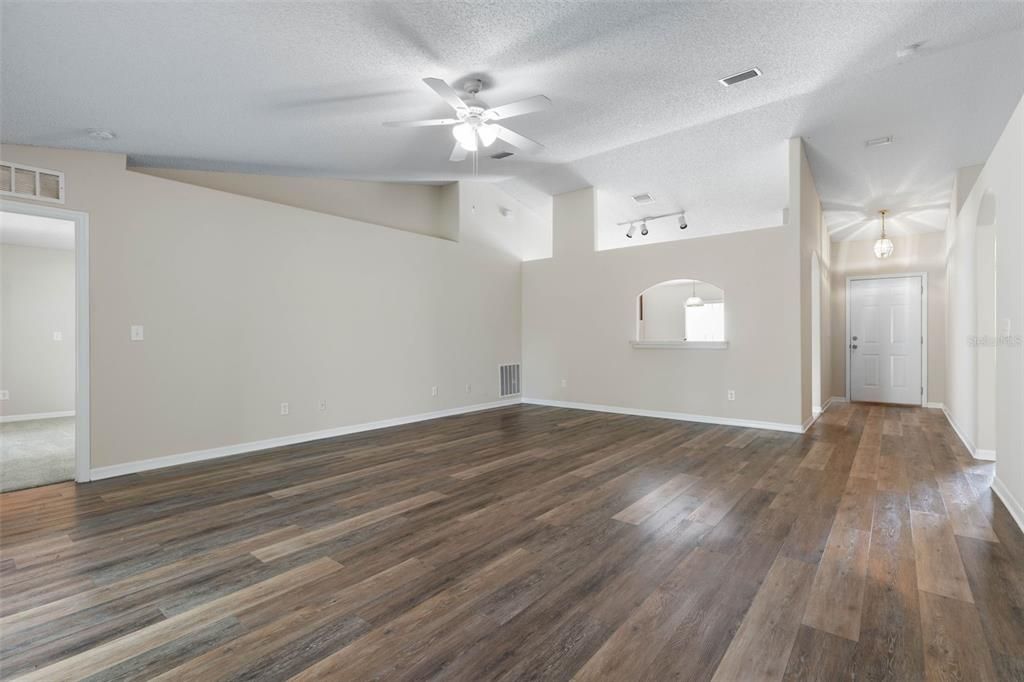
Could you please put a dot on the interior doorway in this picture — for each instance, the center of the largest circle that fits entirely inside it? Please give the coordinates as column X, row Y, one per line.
column 886, row 338
column 44, row 372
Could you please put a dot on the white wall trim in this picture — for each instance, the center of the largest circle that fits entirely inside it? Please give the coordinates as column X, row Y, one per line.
column 81, row 220
column 8, row 418
column 838, row 399
column 924, row 328
column 281, row 441
column 956, row 429
column 987, row 455
column 680, row 345
column 935, row 406
column 1012, row 504
column 678, row 416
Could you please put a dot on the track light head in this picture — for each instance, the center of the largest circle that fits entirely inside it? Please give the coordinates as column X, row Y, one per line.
column 682, row 221
column 643, row 229
column 629, row 232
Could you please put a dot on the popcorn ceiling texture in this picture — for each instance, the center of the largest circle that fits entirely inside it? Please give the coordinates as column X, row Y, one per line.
column 301, row 89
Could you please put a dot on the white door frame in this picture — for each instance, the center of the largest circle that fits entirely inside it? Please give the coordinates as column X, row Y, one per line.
column 81, row 220
column 924, row 328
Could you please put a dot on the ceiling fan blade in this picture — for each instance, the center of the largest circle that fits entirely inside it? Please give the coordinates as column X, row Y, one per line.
column 447, row 93
column 458, row 153
column 517, row 140
column 419, row 124
column 523, row 106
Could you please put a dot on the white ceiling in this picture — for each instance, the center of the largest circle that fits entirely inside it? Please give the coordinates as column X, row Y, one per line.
column 18, row 229
column 302, row 88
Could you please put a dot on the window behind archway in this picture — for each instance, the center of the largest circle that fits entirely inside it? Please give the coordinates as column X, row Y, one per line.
column 663, row 313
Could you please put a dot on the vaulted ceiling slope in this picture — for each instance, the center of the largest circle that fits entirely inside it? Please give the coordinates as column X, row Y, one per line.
column 302, row 88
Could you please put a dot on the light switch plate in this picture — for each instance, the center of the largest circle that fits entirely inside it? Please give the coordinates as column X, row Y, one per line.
column 58, row 336
column 5, row 395
column 137, row 333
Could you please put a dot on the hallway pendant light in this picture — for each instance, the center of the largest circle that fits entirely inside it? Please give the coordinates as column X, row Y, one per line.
column 884, row 246
column 695, row 301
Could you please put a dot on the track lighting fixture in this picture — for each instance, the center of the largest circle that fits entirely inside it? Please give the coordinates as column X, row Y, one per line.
column 644, row 231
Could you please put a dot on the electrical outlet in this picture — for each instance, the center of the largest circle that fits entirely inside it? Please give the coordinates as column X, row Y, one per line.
column 469, row 388
column 284, row 408
column 433, row 390
column 5, row 395
column 731, row 394
column 136, row 333
column 58, row 336
column 565, row 383
column 323, row 405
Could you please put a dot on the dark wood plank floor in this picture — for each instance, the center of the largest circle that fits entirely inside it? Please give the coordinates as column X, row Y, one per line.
column 530, row 543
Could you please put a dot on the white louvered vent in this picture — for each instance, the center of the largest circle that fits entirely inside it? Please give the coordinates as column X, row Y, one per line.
column 32, row 183
column 508, row 380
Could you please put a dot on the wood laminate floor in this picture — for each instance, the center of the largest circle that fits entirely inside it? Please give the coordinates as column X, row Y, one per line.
column 530, row 543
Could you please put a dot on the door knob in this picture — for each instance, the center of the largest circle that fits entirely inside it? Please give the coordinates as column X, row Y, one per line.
column 853, row 346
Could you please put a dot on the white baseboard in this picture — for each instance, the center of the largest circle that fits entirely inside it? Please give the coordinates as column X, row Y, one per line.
column 1013, row 505
column 7, row 418
column 255, row 446
column 988, row 455
column 935, row 406
column 960, row 433
column 678, row 416
column 838, row 399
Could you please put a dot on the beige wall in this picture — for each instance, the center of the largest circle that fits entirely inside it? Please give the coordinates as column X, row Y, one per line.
column 579, row 311
column 810, row 242
column 37, row 299
column 247, row 304
column 997, row 191
column 918, row 253
column 404, row 206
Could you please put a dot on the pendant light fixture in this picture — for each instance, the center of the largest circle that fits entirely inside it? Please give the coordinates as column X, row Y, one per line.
column 884, row 246
column 695, row 301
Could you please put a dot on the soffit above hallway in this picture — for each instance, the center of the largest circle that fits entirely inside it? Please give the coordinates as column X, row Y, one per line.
column 302, row 89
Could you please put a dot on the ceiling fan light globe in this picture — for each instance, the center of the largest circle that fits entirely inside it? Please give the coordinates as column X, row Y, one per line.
column 488, row 134
column 465, row 136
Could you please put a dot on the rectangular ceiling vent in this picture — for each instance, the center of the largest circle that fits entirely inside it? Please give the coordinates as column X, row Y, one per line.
column 501, row 155
column 31, row 183
column 508, row 380
column 740, row 77
column 879, row 141
column 644, row 198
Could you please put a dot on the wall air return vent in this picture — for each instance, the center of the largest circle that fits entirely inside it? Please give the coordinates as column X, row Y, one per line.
column 508, row 380
column 501, row 155
column 31, row 183
column 740, row 77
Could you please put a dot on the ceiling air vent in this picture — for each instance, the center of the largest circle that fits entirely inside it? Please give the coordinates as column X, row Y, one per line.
column 740, row 77
column 501, row 155
column 31, row 183
column 508, row 380
column 645, row 198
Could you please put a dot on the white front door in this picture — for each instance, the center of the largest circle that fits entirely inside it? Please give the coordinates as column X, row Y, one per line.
column 885, row 340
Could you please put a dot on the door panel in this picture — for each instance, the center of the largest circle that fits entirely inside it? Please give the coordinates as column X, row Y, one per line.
column 885, row 327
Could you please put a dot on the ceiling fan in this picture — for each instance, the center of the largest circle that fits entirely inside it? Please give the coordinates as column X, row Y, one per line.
column 475, row 124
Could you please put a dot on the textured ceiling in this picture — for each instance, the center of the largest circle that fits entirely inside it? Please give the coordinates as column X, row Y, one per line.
column 302, row 88
column 18, row 229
